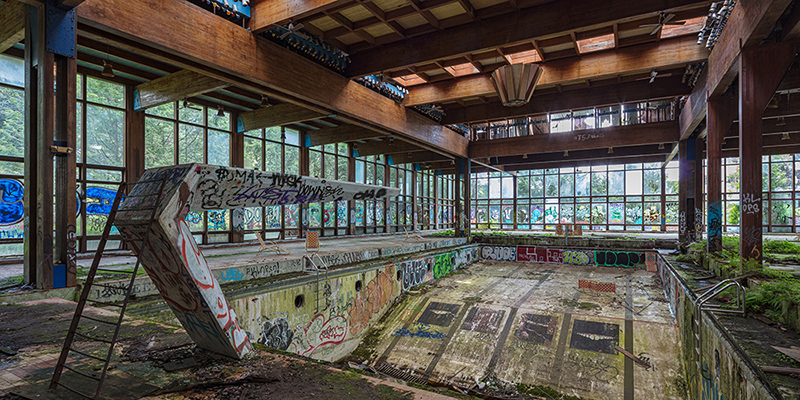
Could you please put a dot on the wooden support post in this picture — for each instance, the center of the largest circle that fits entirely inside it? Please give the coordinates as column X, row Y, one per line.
column 461, row 197
column 39, row 128
column 237, row 160
column 761, row 69
column 719, row 117
column 351, row 204
column 686, row 191
column 65, row 240
column 414, row 199
column 663, row 198
column 305, row 170
column 134, row 139
column 30, row 243
column 699, row 178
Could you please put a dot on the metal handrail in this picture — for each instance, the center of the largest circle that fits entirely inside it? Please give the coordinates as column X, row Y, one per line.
column 316, row 270
column 719, row 288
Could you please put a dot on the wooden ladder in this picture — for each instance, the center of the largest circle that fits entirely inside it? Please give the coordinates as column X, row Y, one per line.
column 150, row 200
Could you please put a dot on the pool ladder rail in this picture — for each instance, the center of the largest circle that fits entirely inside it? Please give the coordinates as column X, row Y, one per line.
column 310, row 267
column 697, row 318
column 90, row 367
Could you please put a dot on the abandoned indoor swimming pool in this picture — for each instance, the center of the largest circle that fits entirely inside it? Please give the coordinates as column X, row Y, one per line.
column 535, row 319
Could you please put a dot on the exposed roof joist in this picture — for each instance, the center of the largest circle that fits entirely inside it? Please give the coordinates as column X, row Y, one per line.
column 173, row 87
column 254, row 63
column 541, row 21
column 665, row 54
column 583, row 98
column 748, row 25
column 12, row 24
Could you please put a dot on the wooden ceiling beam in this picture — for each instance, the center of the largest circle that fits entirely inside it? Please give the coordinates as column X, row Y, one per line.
column 506, row 30
column 375, row 148
column 747, row 26
column 586, row 162
column 582, row 98
column 578, row 155
column 340, row 134
column 417, row 157
column 12, row 24
column 665, row 54
column 266, row 13
column 174, row 87
column 256, row 64
column 630, row 135
column 282, row 114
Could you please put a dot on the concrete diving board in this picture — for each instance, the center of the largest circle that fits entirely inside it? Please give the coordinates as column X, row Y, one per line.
column 173, row 261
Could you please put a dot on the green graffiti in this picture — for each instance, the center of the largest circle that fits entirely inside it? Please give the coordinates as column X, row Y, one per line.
column 443, row 264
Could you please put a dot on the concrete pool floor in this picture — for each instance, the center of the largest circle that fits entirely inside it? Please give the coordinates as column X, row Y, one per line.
column 501, row 324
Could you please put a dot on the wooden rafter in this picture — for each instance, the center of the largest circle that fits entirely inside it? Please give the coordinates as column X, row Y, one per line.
column 257, row 64
column 577, row 99
column 174, row 87
column 341, row 134
column 747, row 26
column 282, row 114
column 668, row 53
column 505, row 30
column 12, row 24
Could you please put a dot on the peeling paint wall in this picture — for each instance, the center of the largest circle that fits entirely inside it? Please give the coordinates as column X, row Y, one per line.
column 714, row 367
column 327, row 320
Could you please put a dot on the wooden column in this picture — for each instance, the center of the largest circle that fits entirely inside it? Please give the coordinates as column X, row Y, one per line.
column 436, row 179
column 686, row 191
column 414, row 199
column 663, row 199
column 65, row 240
column 699, row 182
column 351, row 204
column 761, row 69
column 719, row 117
column 461, row 196
column 39, row 129
column 385, row 162
column 305, row 170
column 237, row 160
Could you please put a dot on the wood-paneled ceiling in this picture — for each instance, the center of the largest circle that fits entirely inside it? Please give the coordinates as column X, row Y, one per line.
column 426, row 45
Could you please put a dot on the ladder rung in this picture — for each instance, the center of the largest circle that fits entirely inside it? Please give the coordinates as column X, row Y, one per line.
column 74, row 391
column 93, row 338
column 87, row 355
column 109, row 286
column 98, row 320
column 81, row 373
column 114, row 271
column 104, row 303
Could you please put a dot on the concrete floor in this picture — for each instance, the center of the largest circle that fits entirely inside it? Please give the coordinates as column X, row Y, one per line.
column 504, row 323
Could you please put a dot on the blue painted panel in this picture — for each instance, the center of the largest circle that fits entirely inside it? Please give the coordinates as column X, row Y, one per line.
column 12, row 209
column 99, row 200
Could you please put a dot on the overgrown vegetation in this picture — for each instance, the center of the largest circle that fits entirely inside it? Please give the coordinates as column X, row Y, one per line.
column 447, row 233
column 769, row 296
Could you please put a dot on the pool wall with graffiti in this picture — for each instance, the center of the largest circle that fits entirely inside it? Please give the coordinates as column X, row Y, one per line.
column 607, row 258
column 721, row 370
column 327, row 319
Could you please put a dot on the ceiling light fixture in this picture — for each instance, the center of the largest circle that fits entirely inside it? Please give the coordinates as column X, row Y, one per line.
column 773, row 102
column 264, row 102
column 566, row 153
column 610, row 150
column 108, row 70
column 785, row 136
column 524, row 156
column 220, row 111
column 661, row 146
column 781, row 122
column 515, row 83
